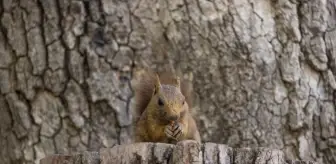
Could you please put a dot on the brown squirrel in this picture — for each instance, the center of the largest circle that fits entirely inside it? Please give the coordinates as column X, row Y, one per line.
column 162, row 109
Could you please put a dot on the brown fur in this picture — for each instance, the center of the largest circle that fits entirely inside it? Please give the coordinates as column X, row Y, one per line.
column 149, row 128
column 145, row 87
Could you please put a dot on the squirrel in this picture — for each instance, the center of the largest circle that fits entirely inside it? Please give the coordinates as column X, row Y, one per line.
column 162, row 109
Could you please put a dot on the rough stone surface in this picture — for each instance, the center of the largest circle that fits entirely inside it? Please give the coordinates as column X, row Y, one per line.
column 263, row 72
column 183, row 152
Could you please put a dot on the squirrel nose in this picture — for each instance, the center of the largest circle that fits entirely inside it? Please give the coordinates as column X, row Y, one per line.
column 172, row 118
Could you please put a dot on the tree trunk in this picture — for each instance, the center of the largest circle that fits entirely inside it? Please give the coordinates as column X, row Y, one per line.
column 181, row 153
column 263, row 71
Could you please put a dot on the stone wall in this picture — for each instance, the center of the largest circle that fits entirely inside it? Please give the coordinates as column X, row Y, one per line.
column 263, row 72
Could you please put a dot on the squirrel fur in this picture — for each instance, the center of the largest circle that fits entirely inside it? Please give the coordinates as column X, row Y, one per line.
column 162, row 109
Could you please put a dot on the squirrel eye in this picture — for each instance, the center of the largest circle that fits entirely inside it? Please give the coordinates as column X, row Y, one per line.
column 160, row 102
column 183, row 102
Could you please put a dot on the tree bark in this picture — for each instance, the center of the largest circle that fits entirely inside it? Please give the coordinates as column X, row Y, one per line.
column 181, row 153
column 263, row 70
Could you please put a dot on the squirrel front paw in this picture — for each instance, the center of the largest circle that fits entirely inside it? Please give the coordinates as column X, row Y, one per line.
column 174, row 131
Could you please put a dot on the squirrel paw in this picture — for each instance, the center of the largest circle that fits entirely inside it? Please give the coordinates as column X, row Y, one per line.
column 174, row 131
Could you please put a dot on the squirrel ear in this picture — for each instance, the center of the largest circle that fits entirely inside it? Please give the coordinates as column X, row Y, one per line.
column 178, row 82
column 157, row 84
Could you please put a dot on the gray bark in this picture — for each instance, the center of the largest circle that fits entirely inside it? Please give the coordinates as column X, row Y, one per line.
column 263, row 70
column 181, row 153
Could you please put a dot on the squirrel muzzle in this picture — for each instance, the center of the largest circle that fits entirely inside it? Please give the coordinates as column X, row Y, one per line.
column 171, row 115
column 172, row 118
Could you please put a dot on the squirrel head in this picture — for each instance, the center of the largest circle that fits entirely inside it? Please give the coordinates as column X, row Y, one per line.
column 168, row 101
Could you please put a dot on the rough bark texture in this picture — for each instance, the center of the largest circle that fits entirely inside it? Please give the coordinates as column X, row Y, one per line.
column 263, row 70
column 185, row 152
